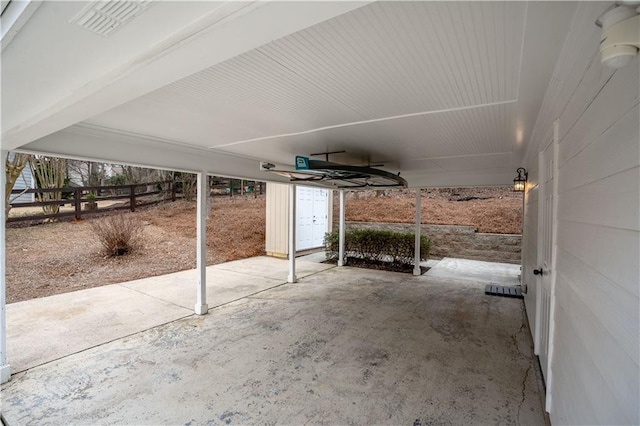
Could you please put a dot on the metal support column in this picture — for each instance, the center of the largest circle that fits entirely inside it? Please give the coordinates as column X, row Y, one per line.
column 416, row 261
column 341, row 231
column 201, row 307
column 292, row 235
column 5, row 369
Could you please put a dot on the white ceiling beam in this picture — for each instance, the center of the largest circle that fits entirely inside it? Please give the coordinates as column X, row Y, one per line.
column 97, row 144
column 94, row 144
column 219, row 36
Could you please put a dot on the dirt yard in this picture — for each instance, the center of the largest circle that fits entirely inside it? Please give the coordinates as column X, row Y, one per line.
column 60, row 257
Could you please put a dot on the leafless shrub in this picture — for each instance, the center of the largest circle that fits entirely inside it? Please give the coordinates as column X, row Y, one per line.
column 118, row 234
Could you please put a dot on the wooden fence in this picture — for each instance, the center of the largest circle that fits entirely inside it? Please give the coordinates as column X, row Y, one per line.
column 232, row 187
column 90, row 195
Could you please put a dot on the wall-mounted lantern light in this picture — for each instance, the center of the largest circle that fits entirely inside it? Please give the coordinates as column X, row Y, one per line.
column 520, row 180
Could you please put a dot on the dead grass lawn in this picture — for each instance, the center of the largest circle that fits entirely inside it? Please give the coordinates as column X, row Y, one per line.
column 65, row 256
column 60, row 257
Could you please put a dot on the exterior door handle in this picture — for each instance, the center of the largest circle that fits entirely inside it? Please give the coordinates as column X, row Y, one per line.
column 537, row 271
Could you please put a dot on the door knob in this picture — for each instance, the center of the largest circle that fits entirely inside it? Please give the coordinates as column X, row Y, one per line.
column 537, row 271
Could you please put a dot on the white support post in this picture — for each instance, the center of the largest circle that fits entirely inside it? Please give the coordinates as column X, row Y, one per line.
column 201, row 307
column 341, row 231
column 292, row 235
column 5, row 369
column 416, row 261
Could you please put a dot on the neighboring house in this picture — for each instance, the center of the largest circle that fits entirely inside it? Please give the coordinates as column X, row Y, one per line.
column 24, row 181
column 445, row 93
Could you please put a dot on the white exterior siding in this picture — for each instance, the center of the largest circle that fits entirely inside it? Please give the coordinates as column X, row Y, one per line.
column 595, row 363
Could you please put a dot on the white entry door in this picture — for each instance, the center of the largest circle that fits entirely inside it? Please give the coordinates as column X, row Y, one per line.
column 320, row 216
column 312, row 209
column 545, row 256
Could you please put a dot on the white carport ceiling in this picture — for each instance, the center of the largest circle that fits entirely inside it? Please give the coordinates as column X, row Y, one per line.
column 445, row 92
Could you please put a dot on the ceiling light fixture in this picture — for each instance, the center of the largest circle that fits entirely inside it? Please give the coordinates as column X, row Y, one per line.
column 620, row 39
column 519, row 183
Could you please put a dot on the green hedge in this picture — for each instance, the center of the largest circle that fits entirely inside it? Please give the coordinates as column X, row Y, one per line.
column 377, row 245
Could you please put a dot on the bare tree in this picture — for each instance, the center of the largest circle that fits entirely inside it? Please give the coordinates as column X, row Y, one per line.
column 164, row 175
column 97, row 173
column 89, row 173
column 134, row 174
column 49, row 172
column 189, row 181
column 14, row 168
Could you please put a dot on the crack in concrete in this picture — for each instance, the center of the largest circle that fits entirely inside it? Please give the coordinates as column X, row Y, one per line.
column 514, row 336
column 524, row 388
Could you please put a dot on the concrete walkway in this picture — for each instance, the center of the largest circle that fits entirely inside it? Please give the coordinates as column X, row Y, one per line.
column 344, row 345
column 477, row 271
column 45, row 329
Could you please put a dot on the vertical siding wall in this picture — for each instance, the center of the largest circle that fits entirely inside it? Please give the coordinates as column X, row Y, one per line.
column 595, row 364
column 277, row 220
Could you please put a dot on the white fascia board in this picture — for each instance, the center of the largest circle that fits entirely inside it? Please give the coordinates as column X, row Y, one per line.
column 87, row 143
column 206, row 43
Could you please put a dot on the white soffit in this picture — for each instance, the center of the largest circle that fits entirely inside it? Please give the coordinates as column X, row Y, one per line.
column 246, row 97
column 408, row 84
column 52, row 58
column 56, row 74
column 462, row 132
column 384, row 59
column 390, row 58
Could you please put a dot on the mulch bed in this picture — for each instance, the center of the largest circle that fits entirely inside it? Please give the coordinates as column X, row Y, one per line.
column 379, row 265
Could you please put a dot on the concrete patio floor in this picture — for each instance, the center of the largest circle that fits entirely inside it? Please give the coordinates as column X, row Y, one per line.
column 344, row 345
column 70, row 319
